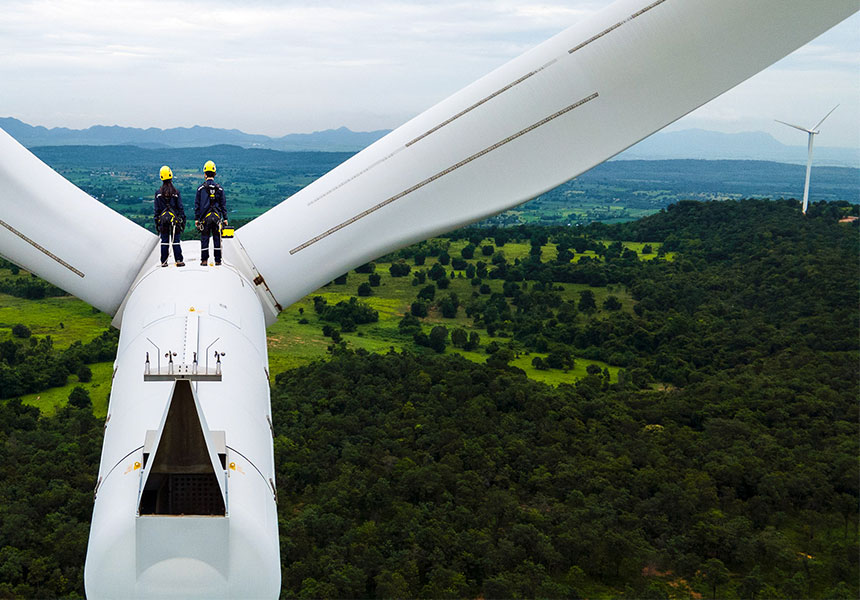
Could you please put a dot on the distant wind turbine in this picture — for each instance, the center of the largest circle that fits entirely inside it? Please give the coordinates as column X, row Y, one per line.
column 811, row 133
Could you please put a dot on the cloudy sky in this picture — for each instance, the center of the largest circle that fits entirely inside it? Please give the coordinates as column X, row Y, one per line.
column 298, row 66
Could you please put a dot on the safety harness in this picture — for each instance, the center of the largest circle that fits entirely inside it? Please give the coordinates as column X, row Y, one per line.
column 212, row 219
column 166, row 219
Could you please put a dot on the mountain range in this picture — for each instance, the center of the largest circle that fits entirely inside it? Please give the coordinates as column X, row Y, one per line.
column 330, row 140
column 750, row 145
column 689, row 144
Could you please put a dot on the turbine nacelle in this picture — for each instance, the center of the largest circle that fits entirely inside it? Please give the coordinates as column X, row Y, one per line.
column 185, row 504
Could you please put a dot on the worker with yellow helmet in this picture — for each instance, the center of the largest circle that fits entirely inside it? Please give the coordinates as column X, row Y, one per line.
column 210, row 212
column 169, row 217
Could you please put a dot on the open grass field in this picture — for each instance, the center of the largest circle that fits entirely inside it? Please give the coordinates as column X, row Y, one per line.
column 638, row 246
column 549, row 376
column 65, row 318
column 293, row 343
column 296, row 339
column 49, row 400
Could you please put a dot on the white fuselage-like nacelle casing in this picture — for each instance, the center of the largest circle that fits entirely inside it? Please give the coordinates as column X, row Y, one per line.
column 184, row 311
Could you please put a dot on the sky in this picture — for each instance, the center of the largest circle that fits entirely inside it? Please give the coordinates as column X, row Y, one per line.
column 270, row 67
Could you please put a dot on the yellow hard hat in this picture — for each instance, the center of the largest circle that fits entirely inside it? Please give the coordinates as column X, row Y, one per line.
column 209, row 167
column 165, row 173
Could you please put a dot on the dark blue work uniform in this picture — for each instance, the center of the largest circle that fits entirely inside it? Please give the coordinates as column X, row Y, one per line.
column 170, row 222
column 210, row 209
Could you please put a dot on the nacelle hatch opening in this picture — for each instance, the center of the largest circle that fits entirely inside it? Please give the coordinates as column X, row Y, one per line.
column 185, row 473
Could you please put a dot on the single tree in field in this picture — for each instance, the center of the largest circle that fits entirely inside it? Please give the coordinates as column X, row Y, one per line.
column 586, row 301
column 21, row 331
column 427, row 293
column 80, row 398
column 438, row 338
column 85, row 374
column 418, row 309
column 612, row 303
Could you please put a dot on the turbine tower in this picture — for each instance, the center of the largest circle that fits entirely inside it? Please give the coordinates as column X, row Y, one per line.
column 185, row 502
column 812, row 131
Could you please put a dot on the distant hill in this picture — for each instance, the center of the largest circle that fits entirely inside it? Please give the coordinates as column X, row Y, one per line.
column 331, row 140
column 689, row 144
column 750, row 145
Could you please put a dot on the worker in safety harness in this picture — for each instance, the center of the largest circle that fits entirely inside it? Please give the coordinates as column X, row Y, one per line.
column 169, row 217
column 210, row 212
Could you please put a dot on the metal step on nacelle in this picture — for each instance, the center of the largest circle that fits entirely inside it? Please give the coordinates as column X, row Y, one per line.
column 191, row 372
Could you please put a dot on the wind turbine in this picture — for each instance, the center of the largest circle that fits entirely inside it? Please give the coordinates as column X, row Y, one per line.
column 812, row 131
column 185, row 503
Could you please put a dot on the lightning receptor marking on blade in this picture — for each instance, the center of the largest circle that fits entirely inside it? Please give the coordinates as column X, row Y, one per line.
column 638, row 13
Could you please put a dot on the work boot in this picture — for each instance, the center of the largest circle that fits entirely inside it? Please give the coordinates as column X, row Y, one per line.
column 204, row 263
column 217, row 263
column 179, row 263
column 164, row 264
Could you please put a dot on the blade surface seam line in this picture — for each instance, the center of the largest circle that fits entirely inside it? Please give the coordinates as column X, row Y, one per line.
column 362, row 172
column 612, row 28
column 480, row 102
column 41, row 248
column 440, row 174
column 437, row 128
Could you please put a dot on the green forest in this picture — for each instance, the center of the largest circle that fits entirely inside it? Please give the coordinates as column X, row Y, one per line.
column 660, row 408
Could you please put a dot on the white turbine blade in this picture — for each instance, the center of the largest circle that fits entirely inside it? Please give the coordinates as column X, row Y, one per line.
column 815, row 129
column 55, row 230
column 804, row 129
column 543, row 118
